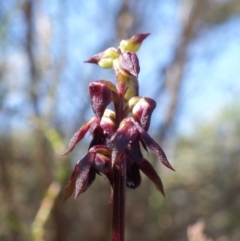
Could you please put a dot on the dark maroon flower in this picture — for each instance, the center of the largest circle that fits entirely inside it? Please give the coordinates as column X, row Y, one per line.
column 128, row 131
column 126, row 141
column 97, row 160
column 102, row 92
column 99, row 129
column 141, row 109
column 134, row 177
column 119, row 134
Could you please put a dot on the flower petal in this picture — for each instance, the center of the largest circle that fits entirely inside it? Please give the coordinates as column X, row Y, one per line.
column 124, row 135
column 153, row 146
column 102, row 164
column 98, row 137
column 86, row 174
column 71, row 183
column 108, row 123
column 150, row 172
column 102, row 161
column 78, row 136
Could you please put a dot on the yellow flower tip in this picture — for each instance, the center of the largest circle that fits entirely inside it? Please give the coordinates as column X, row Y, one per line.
column 110, row 53
column 107, row 57
column 105, row 63
column 129, row 94
column 111, row 86
column 116, row 64
column 131, row 90
column 133, row 101
column 125, row 45
column 134, row 43
column 122, row 123
column 109, row 114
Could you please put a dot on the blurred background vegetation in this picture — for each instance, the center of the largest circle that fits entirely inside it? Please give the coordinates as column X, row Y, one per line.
column 189, row 65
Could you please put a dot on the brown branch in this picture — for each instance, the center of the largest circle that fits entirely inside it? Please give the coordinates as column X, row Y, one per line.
column 28, row 10
column 175, row 71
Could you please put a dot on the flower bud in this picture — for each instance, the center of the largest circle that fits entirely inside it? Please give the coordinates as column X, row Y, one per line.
column 108, row 123
column 130, row 104
column 101, row 96
column 134, row 43
column 132, row 88
column 128, row 64
column 142, row 111
column 101, row 149
column 104, row 59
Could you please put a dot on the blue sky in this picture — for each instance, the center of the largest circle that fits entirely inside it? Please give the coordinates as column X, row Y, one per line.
column 80, row 29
